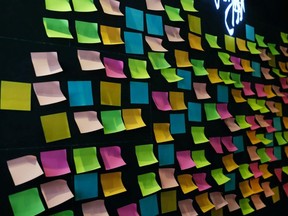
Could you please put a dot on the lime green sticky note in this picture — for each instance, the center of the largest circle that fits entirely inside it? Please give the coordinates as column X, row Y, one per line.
column 252, row 47
column 272, row 48
column 219, row 176
column 279, row 138
column 57, row 28
column 112, row 121
column 245, row 206
column 148, row 184
column 158, row 60
column 253, row 104
column 85, row 159
column 225, row 76
column 277, row 72
column 26, row 203
column 58, row 5
column 170, row 75
column 260, row 40
column 199, row 158
column 188, row 5
column 15, row 96
column 263, row 155
column 237, row 80
column 198, row 67
column 64, row 213
column 211, row 111
column 87, row 32
column 244, row 171
column 262, row 103
column 138, row 69
column 195, row 24
column 285, row 169
column 241, row 121
column 173, row 13
column 225, row 58
column 84, row 5
column 263, row 139
column 230, row 43
column 55, row 127
column 284, row 37
column 145, row 155
column 198, row 135
column 212, row 41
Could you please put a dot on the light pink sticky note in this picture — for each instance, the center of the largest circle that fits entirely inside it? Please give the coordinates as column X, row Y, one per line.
column 255, row 169
column 252, row 153
column 222, row 109
column 161, row 100
column 155, row 44
column 111, row 7
column 237, row 63
column 266, row 74
column 173, row 33
column 231, row 200
column 89, row 60
column 278, row 173
column 283, row 81
column 154, row 5
column 112, row 157
column 200, row 91
column 257, row 202
column 218, row 200
column 228, row 143
column 200, row 181
column 277, row 91
column 114, row 68
column 261, row 121
column 87, row 121
column 96, row 207
column 55, row 162
column 263, row 55
column 216, row 144
column 271, row 106
column 251, row 120
column 185, row 160
column 186, row 207
column 267, row 189
column 260, row 90
column 230, row 122
column 167, row 178
column 130, row 210
column 270, row 128
column 247, row 89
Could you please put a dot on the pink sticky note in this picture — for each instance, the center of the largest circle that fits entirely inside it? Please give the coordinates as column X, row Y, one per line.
column 261, row 121
column 255, row 169
column 216, row 144
column 89, row 60
column 173, row 33
column 247, row 89
column 167, row 178
column 231, row 200
column 200, row 181
column 257, row 201
column 230, row 122
column 285, row 98
column 270, row 128
column 55, row 163
column 87, row 121
column 277, row 91
column 278, row 173
column 161, row 100
column 228, row 143
column 251, row 120
column 200, row 91
column 285, row 187
column 96, row 207
column 270, row 153
column 114, row 68
column 267, row 189
column 186, row 207
column 111, row 157
column 218, row 200
column 271, row 106
column 130, row 210
column 260, row 90
column 185, row 160
column 222, row 109
column 284, row 83
column 237, row 63
column 266, row 74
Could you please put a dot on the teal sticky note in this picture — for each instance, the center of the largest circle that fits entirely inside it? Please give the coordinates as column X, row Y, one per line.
column 186, row 82
column 278, row 152
column 250, row 32
column 133, row 43
column 222, row 94
column 277, row 123
column 139, row 93
column 270, row 136
column 166, row 154
column 86, row 186
column 177, row 123
column 231, row 184
column 257, row 69
column 80, row 93
column 239, row 143
column 154, row 24
column 149, row 206
column 194, row 112
column 134, row 18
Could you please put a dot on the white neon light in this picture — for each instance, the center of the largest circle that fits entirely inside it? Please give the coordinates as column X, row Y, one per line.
column 235, row 9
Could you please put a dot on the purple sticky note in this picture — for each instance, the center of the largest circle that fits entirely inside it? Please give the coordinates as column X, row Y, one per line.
column 112, row 157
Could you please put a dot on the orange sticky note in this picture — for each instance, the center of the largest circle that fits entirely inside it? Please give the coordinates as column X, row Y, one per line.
column 245, row 189
column 112, row 183
column 186, row 183
column 229, row 162
column 195, row 42
column 204, row 202
column 264, row 169
column 182, row 58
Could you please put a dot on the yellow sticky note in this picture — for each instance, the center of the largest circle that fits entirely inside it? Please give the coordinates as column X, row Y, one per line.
column 112, row 183
column 55, row 127
column 252, row 137
column 168, row 201
column 246, row 65
column 268, row 91
column 237, row 95
column 162, row 132
column 111, row 35
column 182, row 58
column 241, row 44
column 194, row 24
column 204, row 202
column 276, row 196
column 186, row 183
column 264, row 169
column 229, row 162
column 110, row 93
column 279, row 107
column 213, row 75
column 177, row 100
column 230, row 43
column 195, row 42
column 132, row 119
column 15, row 96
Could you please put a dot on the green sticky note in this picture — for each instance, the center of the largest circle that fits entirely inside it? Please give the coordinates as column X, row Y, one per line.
column 148, row 184
column 245, row 206
column 87, row 32
column 198, row 135
column 263, row 139
column 158, row 60
column 173, row 13
column 241, row 121
column 138, row 69
column 170, row 75
column 244, row 171
column 212, row 41
column 26, row 203
column 112, row 121
column 263, row 155
column 219, row 176
column 279, row 138
column 272, row 48
column 252, row 47
column 58, row 5
column 260, row 40
column 285, row 169
column 198, row 67
column 145, row 155
column 199, row 158
column 225, row 58
column 284, row 37
column 262, row 103
column 211, row 111
column 253, row 104
column 84, row 5
column 230, row 43
column 85, row 159
column 57, row 28
column 188, row 5
column 277, row 72
column 225, row 76
column 237, row 80
column 64, row 213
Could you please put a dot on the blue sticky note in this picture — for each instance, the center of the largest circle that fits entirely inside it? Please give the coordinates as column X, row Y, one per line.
column 133, row 43
column 149, row 206
column 80, row 93
column 194, row 112
column 231, row 184
column 270, row 136
column 222, row 94
column 139, row 93
column 278, row 152
column 134, row 19
column 166, row 154
column 177, row 123
column 250, row 33
column 239, row 143
column 277, row 123
column 186, row 82
column 257, row 69
column 154, row 24
column 86, row 186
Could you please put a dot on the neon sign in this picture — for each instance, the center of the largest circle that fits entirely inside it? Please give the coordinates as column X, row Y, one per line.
column 233, row 13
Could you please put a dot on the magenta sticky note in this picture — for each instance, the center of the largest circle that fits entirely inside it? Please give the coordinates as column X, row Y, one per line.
column 112, row 157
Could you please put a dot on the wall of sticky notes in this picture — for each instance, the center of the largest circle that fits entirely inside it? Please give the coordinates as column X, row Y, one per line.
column 144, row 108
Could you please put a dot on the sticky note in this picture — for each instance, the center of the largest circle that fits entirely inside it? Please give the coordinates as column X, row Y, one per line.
column 84, row 6
column 85, row 159
column 188, row 5
column 257, row 202
column 166, row 154
column 60, row 6
column 185, row 83
column 182, row 58
column 255, row 186
column 86, row 186
column 239, row 143
column 177, row 123
column 231, row 184
column 177, row 100
column 199, row 158
column 111, row 157
column 154, row 24
column 229, row 43
column 133, row 43
column 229, row 162
column 148, row 184
column 232, row 204
column 57, row 28
column 149, row 205
column 170, row 75
column 139, row 93
column 87, row 32
column 186, row 207
column 55, row 127
column 219, row 176
column 89, row 60
column 213, row 75
column 200, row 91
column 260, row 40
column 110, row 35
column 112, row 121
column 184, row 159
column 130, row 209
column 216, row 144
column 158, row 60
column 245, row 206
column 194, row 111
column 155, row 44
column 218, row 200
column 237, row 63
column 195, row 42
column 80, row 93
column 173, row 13
column 114, row 68
column 263, row 155
column 110, row 93
column 64, row 213
column 211, row 111
column 204, row 202
column 222, row 94
column 168, row 201
column 245, row 189
column 244, row 171
column 272, row 48
column 134, row 18
column 212, row 41
column 186, row 183
column 87, row 121
column 111, row 7
column 95, row 206
column 230, row 122
column 198, row 67
column 241, row 121
column 252, row 47
column 112, row 183
column 145, row 155
column 161, row 100
column 132, row 119
column 241, row 44
column 138, row 69
column 223, row 111
column 162, row 132
column 198, row 135
column 250, row 32
column 172, row 33
column 225, row 76
column 167, row 178
column 194, row 24
column 225, row 58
